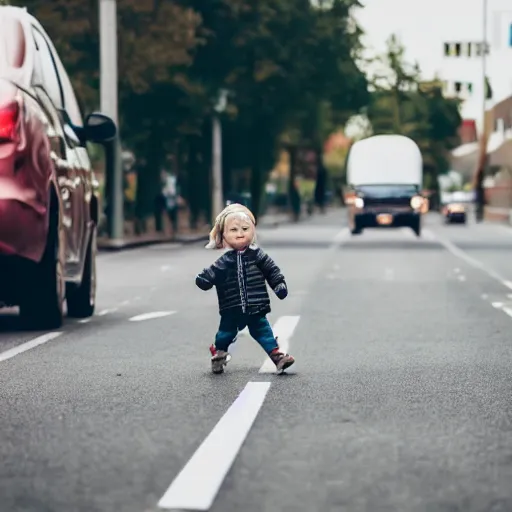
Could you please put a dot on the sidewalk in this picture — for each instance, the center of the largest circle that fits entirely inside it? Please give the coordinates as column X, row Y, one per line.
column 132, row 242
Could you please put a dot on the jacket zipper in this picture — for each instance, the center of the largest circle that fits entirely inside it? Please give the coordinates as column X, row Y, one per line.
column 241, row 280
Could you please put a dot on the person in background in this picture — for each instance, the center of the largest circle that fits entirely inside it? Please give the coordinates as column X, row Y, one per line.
column 172, row 199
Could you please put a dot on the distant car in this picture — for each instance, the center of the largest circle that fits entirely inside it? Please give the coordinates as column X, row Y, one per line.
column 454, row 212
column 48, row 193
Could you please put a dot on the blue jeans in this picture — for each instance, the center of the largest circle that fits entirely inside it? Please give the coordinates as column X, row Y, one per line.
column 259, row 329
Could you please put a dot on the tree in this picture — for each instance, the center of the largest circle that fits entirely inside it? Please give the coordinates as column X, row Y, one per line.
column 403, row 104
column 289, row 66
column 155, row 44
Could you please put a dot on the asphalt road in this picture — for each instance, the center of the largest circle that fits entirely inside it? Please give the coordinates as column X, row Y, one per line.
column 400, row 399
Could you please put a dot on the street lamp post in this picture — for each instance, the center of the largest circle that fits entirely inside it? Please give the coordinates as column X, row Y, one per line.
column 217, row 196
column 109, row 105
column 482, row 161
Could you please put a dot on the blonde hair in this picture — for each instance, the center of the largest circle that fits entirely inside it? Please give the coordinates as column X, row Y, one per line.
column 216, row 238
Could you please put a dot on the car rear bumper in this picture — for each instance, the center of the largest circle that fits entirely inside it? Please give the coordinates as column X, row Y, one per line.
column 456, row 216
column 395, row 219
column 22, row 230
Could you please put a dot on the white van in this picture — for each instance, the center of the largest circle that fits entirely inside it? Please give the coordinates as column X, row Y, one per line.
column 385, row 175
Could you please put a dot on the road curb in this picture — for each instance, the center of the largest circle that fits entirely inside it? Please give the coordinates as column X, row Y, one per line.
column 123, row 245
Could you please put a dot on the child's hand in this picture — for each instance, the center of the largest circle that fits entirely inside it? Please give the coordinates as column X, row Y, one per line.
column 281, row 291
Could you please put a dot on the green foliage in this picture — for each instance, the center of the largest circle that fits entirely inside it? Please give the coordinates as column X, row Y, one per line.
column 290, row 67
column 403, row 104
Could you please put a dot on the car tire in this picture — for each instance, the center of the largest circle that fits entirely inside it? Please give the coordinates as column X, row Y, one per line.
column 81, row 300
column 356, row 230
column 42, row 306
column 416, row 227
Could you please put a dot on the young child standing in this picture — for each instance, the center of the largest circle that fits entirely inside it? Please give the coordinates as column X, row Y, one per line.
column 240, row 276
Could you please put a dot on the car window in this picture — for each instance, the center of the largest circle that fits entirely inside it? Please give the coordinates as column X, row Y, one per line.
column 56, row 78
column 45, row 73
column 12, row 45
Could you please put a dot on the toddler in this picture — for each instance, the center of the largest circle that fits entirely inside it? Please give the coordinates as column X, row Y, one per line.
column 240, row 277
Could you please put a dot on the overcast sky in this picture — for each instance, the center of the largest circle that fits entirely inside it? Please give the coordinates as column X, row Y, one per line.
column 423, row 25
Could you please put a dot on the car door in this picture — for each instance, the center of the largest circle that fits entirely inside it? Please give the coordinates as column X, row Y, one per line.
column 49, row 90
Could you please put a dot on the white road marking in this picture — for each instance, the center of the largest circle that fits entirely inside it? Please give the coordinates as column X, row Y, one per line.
column 149, row 316
column 341, row 236
column 474, row 263
column 283, row 329
column 509, row 295
column 389, row 274
column 125, row 302
column 198, row 483
column 106, row 311
column 29, row 345
column 84, row 321
column 497, row 305
column 462, row 278
column 508, row 311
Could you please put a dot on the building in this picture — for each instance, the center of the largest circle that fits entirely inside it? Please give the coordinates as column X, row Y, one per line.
column 462, row 73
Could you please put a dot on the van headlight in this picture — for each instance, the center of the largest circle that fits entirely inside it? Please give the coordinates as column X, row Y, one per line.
column 416, row 202
column 358, row 202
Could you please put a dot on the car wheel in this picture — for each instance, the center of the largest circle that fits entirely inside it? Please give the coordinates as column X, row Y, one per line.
column 81, row 301
column 416, row 227
column 42, row 306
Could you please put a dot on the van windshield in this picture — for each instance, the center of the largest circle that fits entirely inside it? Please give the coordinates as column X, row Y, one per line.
column 383, row 191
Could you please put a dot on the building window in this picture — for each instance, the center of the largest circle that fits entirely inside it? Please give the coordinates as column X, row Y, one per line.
column 470, row 88
column 457, row 49
column 458, row 87
column 446, row 49
column 510, row 35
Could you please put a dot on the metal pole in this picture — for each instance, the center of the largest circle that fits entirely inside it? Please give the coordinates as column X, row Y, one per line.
column 482, row 159
column 484, row 63
column 109, row 105
column 217, row 201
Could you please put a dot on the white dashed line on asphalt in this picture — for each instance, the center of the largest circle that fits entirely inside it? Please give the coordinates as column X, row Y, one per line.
column 40, row 340
column 283, row 329
column 471, row 261
column 508, row 311
column 198, row 483
column 461, row 278
column 149, row 316
column 106, row 311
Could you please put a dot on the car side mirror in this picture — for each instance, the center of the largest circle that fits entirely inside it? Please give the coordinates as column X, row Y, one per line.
column 99, row 128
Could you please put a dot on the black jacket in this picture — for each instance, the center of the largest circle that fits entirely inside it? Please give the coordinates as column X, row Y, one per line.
column 239, row 278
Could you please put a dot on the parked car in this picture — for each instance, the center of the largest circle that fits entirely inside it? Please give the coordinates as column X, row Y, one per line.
column 454, row 212
column 48, row 201
column 455, row 207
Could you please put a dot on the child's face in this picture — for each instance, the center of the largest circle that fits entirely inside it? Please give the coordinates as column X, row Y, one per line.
column 238, row 231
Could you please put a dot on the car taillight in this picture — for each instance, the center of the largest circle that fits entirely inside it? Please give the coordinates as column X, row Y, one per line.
column 8, row 122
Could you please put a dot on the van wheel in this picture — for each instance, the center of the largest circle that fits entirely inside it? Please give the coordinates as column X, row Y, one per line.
column 42, row 306
column 356, row 230
column 81, row 300
column 416, row 227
